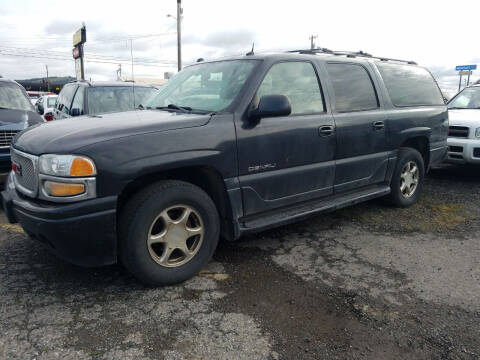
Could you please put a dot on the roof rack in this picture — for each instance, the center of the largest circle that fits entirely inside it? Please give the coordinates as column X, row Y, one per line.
column 350, row 54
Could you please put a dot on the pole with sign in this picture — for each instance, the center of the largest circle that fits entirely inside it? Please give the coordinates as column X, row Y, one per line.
column 79, row 38
column 464, row 70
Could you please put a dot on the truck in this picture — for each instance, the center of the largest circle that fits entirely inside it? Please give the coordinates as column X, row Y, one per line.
column 227, row 148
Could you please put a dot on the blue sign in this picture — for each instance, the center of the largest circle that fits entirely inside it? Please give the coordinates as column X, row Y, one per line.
column 465, row 67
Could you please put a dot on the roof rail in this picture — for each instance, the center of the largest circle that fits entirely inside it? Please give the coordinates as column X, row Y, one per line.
column 351, row 54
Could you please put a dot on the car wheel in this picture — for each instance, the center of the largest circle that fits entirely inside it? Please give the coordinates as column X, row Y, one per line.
column 168, row 232
column 407, row 180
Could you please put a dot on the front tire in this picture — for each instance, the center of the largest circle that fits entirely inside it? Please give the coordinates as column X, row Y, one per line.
column 407, row 179
column 168, row 232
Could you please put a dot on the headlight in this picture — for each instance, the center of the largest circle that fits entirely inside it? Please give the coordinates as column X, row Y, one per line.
column 67, row 166
column 477, row 132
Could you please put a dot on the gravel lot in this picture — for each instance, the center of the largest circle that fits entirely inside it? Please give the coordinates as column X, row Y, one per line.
column 367, row 282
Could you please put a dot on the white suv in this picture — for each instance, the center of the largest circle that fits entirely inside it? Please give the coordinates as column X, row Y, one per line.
column 464, row 131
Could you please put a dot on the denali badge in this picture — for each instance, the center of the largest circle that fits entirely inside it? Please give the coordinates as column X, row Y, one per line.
column 262, row 167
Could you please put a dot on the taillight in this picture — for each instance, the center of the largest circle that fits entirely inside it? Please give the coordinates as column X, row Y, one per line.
column 48, row 116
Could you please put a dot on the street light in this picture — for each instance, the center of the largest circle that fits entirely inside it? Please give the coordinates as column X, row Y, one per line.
column 178, row 18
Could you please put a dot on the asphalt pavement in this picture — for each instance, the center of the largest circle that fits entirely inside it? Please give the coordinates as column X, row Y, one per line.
column 366, row 282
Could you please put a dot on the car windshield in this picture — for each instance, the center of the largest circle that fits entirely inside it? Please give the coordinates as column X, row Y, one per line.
column 51, row 101
column 12, row 97
column 469, row 98
column 107, row 99
column 204, row 87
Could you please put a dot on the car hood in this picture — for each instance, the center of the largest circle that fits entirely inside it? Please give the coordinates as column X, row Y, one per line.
column 69, row 135
column 12, row 119
column 464, row 117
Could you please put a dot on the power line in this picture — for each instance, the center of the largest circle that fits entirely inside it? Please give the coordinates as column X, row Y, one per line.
column 6, row 53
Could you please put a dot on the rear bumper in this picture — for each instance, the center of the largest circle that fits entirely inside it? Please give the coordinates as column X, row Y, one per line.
column 82, row 233
column 463, row 151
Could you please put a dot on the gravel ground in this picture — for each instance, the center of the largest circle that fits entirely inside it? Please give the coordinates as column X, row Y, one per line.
column 366, row 282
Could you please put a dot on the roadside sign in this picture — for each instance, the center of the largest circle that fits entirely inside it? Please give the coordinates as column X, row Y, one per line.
column 76, row 52
column 465, row 73
column 80, row 36
column 465, row 67
column 78, row 68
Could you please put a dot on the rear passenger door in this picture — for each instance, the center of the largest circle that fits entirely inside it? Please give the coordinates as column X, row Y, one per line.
column 64, row 102
column 361, row 154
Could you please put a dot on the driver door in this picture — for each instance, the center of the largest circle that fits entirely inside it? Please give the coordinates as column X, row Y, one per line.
column 287, row 159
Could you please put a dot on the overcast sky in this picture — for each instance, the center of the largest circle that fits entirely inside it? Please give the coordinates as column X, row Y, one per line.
column 436, row 34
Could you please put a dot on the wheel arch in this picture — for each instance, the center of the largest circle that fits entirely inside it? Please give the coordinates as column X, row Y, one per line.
column 207, row 178
column 422, row 145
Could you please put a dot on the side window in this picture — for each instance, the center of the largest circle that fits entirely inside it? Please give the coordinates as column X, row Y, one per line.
column 410, row 85
column 78, row 100
column 353, row 87
column 296, row 80
column 65, row 98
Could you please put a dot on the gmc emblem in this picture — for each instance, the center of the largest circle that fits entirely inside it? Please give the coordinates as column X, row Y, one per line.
column 17, row 168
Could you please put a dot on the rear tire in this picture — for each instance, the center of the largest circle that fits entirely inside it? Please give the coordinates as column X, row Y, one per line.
column 407, row 179
column 168, row 232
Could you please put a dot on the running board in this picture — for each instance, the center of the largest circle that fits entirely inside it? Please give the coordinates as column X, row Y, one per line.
column 267, row 220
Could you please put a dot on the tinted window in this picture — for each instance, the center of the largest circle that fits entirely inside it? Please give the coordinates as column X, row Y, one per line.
column 65, row 98
column 353, row 88
column 12, row 97
column 410, row 85
column 297, row 81
column 78, row 100
column 108, row 99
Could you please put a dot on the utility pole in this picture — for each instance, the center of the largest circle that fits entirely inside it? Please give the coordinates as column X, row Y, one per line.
column 48, row 84
column 179, row 33
column 312, row 41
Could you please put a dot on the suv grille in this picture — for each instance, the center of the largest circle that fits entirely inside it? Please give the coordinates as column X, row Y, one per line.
column 26, row 177
column 6, row 137
column 458, row 131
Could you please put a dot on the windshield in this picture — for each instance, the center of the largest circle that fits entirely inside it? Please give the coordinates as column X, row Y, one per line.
column 12, row 97
column 107, row 99
column 205, row 87
column 51, row 101
column 469, row 98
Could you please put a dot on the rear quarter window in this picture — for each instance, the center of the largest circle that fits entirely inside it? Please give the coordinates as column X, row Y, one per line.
column 410, row 85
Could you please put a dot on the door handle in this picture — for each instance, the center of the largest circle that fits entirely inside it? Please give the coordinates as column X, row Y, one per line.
column 326, row 130
column 378, row 125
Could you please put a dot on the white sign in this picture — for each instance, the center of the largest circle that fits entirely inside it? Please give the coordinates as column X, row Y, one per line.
column 78, row 68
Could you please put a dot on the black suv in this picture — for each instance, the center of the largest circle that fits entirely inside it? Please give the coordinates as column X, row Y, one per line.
column 226, row 148
column 16, row 113
column 101, row 97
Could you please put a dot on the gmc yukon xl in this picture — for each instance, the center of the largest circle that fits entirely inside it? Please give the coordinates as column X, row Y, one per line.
column 226, row 148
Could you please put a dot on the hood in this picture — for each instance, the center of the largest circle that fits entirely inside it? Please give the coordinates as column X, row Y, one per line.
column 464, row 117
column 69, row 135
column 12, row 119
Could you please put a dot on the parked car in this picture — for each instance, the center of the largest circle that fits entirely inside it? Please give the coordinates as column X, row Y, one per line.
column 464, row 132
column 16, row 114
column 45, row 106
column 95, row 98
column 226, row 148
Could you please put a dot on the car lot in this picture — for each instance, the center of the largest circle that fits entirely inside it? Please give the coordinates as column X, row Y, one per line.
column 367, row 282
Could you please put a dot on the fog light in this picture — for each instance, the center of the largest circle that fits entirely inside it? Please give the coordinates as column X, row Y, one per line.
column 63, row 189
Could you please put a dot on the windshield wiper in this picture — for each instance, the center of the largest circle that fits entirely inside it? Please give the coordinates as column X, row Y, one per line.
column 456, row 108
column 174, row 107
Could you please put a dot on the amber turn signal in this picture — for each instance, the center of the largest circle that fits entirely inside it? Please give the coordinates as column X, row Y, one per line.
column 63, row 189
column 82, row 167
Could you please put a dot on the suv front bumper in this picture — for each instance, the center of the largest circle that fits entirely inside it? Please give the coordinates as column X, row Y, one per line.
column 462, row 151
column 83, row 233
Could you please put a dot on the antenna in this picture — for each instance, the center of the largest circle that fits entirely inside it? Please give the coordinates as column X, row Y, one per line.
column 250, row 53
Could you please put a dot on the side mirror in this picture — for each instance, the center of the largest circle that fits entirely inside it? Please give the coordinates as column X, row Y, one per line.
column 75, row 112
column 271, row 106
column 40, row 111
